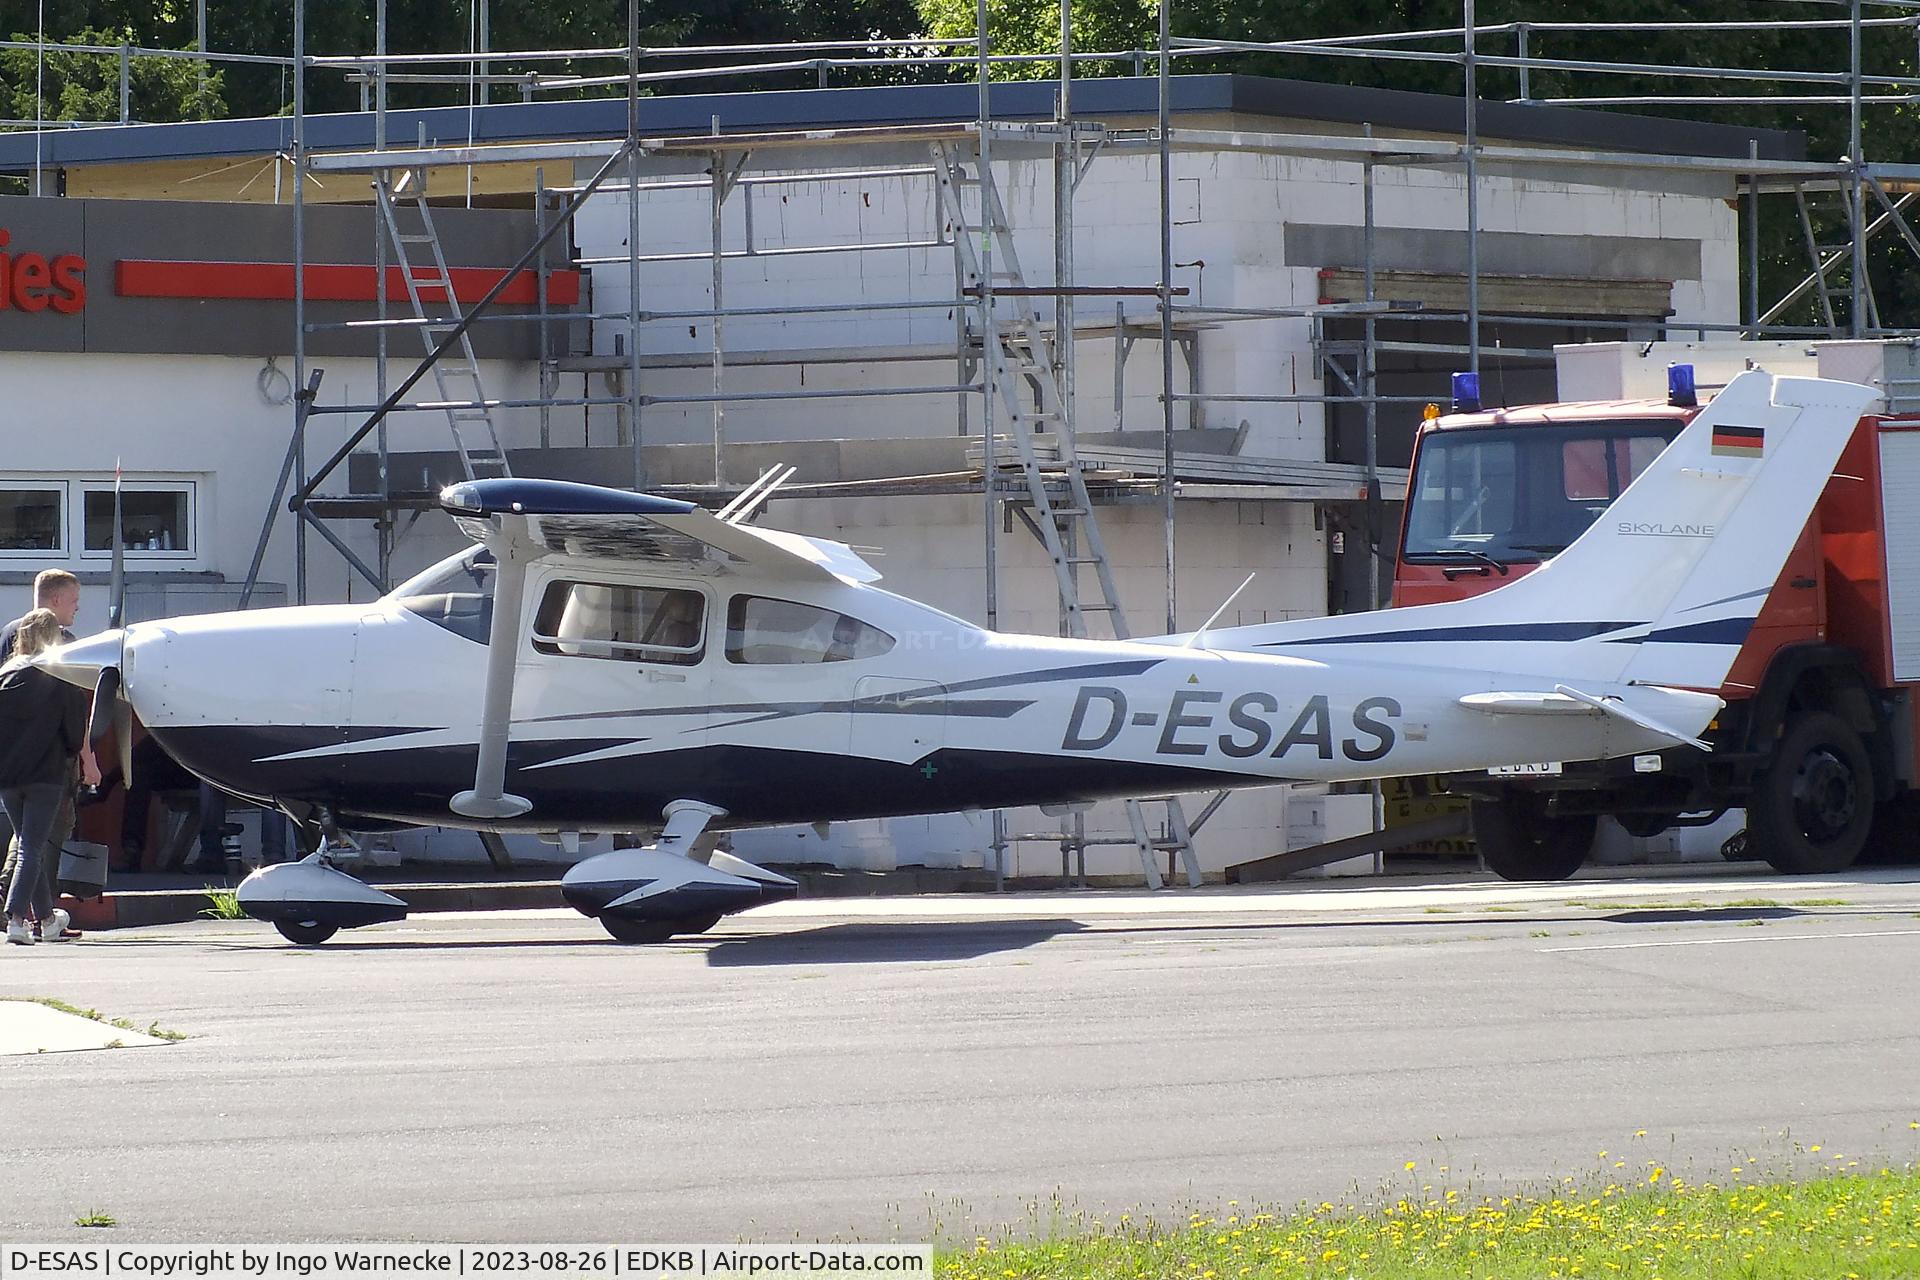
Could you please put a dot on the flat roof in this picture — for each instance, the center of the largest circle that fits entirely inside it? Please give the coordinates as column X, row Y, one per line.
column 787, row 109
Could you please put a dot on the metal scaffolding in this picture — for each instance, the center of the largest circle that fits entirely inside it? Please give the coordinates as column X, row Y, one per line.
column 1015, row 338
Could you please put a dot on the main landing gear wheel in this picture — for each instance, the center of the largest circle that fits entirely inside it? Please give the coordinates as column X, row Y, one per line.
column 1812, row 807
column 1520, row 842
column 657, row 930
column 306, row 933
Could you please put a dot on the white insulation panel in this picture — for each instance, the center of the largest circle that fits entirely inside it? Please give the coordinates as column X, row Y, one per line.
column 1900, row 502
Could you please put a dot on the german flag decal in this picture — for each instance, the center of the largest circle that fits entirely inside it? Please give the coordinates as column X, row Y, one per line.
column 1738, row 442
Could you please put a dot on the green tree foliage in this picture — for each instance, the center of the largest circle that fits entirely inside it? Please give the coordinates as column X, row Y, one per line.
column 1016, row 27
column 74, row 85
column 413, row 26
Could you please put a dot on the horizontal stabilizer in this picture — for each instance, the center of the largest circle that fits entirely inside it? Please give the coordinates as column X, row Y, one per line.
column 1621, row 711
column 1529, row 704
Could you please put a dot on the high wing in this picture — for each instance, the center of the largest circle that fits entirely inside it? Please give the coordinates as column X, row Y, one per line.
column 523, row 520
column 561, row 517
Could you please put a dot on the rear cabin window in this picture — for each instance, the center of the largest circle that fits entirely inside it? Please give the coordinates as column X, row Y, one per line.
column 767, row 632
column 625, row 623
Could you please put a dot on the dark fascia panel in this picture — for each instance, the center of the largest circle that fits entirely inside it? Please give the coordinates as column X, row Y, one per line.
column 905, row 104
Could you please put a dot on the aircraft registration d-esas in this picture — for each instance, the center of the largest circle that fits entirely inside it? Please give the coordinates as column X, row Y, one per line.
column 606, row 661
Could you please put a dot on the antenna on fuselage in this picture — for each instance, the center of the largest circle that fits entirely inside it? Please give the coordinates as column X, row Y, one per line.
column 750, row 499
column 1193, row 641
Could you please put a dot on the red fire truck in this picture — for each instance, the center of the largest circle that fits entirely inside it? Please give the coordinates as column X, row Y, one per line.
column 1817, row 739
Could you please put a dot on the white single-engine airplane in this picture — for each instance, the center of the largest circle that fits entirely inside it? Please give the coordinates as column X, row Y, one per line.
column 610, row 661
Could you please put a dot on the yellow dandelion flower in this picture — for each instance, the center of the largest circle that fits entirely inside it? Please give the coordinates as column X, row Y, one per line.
column 1639, row 1133
column 1814, row 1147
column 1409, row 1166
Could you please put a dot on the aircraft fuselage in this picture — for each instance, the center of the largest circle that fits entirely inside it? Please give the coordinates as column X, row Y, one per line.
column 372, row 710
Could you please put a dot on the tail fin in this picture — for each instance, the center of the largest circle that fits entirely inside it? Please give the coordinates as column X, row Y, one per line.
column 1663, row 588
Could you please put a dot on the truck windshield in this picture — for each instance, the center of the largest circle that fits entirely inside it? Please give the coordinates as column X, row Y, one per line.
column 1521, row 494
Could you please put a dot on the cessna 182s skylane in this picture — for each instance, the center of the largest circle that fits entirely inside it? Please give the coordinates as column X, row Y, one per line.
column 610, row 661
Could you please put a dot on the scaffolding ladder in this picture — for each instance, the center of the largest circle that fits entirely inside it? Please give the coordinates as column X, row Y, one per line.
column 456, row 374
column 1023, row 368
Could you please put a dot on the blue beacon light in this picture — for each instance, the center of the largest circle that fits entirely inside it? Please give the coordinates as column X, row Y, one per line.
column 1680, row 388
column 1466, row 393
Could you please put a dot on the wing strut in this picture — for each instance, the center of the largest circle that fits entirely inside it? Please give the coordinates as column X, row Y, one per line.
column 489, row 799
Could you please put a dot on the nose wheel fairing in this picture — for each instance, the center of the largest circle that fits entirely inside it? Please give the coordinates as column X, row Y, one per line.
column 313, row 894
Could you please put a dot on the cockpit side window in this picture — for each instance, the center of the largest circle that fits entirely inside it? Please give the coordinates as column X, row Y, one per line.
column 768, row 632
column 622, row 622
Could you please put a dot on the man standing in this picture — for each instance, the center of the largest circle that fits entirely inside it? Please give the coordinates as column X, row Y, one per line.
column 53, row 589
column 58, row 591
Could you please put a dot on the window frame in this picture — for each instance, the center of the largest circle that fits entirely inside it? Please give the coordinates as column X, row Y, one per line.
column 63, row 489
column 78, row 516
column 628, row 651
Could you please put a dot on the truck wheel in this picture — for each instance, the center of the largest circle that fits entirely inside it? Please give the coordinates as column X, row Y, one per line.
column 1519, row 842
column 1813, row 805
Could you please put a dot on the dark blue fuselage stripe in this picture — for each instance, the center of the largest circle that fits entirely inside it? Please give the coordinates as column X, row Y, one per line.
column 1722, row 631
column 1506, row 631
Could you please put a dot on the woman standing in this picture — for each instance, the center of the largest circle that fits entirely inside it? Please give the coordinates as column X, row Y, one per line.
column 43, row 726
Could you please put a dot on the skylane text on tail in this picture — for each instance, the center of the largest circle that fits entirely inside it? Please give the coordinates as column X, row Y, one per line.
column 610, row 661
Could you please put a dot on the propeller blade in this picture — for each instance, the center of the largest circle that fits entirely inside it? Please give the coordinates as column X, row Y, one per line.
column 123, row 738
column 106, row 698
column 117, row 580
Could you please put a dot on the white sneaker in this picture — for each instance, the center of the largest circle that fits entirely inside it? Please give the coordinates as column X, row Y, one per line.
column 53, row 926
column 18, row 933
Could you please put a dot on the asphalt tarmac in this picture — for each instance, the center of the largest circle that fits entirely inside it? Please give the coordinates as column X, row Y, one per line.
column 906, row 1068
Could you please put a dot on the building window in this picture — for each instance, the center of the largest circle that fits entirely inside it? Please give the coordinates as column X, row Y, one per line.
column 155, row 519
column 32, row 517
column 625, row 623
column 768, row 632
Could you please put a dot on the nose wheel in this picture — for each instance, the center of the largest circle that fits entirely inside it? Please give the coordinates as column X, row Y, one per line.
column 305, row 933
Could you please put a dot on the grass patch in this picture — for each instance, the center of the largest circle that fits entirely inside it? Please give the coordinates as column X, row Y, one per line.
column 1820, row 902
column 1837, row 1226
column 95, row 1218
column 222, row 904
column 153, row 1029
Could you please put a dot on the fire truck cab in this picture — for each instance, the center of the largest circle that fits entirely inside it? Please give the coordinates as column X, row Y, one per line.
column 1816, row 742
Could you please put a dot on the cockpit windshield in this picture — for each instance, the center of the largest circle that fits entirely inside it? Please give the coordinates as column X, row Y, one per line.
column 1521, row 494
column 456, row 594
